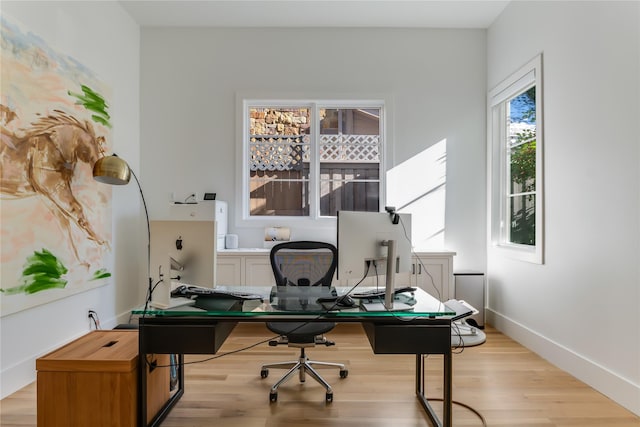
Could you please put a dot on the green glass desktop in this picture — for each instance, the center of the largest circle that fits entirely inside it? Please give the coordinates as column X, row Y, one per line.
column 304, row 302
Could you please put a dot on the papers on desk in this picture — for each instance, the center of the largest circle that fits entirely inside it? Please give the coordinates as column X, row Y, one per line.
column 379, row 306
column 462, row 308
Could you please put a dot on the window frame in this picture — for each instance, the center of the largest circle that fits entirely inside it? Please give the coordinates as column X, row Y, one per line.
column 244, row 103
column 498, row 168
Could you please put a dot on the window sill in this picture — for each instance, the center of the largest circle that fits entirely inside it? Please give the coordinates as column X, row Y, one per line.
column 523, row 253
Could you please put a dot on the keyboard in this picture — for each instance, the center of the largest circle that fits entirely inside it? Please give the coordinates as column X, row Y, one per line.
column 380, row 293
column 190, row 291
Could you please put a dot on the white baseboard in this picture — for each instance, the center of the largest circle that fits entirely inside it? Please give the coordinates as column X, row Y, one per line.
column 17, row 376
column 615, row 387
column 23, row 373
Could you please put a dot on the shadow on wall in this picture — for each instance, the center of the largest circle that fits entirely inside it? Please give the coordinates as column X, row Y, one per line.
column 418, row 186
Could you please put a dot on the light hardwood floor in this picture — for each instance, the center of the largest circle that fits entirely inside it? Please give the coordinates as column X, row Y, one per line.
column 506, row 383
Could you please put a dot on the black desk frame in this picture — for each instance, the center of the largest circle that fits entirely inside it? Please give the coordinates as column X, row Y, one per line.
column 205, row 335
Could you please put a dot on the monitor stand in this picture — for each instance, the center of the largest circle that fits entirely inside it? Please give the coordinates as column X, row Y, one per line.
column 180, row 302
column 161, row 298
column 379, row 306
column 390, row 284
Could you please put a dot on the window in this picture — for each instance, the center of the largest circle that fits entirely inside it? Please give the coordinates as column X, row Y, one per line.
column 515, row 163
column 311, row 159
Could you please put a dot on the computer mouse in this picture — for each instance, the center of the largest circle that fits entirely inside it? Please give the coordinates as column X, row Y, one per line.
column 345, row 301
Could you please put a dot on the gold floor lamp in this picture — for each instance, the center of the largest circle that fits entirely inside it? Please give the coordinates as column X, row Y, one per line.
column 113, row 170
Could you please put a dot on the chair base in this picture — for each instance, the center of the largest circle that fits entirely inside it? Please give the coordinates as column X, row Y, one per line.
column 318, row 340
column 303, row 366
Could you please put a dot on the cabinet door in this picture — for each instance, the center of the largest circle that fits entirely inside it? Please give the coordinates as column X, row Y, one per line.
column 229, row 270
column 258, row 271
column 432, row 274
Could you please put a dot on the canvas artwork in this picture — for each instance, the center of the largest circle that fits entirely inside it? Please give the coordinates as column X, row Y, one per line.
column 55, row 219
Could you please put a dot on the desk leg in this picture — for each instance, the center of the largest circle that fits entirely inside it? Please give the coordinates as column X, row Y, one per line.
column 142, row 388
column 448, row 389
column 173, row 398
column 142, row 392
column 447, row 402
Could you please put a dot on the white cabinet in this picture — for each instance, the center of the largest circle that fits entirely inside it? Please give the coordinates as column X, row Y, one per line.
column 229, row 270
column 257, row 271
column 431, row 271
column 244, row 267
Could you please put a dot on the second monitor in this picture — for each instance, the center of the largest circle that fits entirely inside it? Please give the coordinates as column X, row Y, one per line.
column 374, row 243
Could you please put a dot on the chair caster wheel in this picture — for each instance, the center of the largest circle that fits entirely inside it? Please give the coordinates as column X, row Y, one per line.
column 264, row 373
column 329, row 397
column 273, row 343
column 273, row 397
column 344, row 373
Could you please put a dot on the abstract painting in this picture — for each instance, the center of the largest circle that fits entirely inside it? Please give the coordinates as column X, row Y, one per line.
column 55, row 220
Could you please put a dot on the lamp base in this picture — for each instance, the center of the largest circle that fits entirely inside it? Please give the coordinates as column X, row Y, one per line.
column 465, row 335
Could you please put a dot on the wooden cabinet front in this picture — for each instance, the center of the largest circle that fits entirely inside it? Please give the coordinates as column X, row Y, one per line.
column 93, row 381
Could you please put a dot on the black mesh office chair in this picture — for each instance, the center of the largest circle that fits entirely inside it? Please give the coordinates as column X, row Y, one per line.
column 304, row 265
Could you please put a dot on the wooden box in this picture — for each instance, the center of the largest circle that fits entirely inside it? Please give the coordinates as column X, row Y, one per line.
column 93, row 381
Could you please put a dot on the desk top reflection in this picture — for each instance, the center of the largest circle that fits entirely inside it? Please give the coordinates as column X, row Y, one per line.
column 283, row 302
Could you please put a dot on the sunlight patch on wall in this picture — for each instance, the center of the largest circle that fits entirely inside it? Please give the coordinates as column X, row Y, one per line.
column 418, row 186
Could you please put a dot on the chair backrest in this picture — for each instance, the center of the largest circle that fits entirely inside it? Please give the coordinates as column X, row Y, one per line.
column 303, row 263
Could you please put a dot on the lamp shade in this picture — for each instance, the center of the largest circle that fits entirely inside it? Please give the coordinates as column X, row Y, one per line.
column 111, row 170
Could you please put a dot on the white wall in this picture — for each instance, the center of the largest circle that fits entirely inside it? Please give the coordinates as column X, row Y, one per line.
column 104, row 38
column 579, row 309
column 435, row 81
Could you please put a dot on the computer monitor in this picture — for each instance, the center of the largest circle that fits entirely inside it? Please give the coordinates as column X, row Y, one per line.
column 183, row 252
column 383, row 238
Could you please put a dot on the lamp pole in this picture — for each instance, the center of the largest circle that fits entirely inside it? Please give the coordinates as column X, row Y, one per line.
column 146, row 215
column 113, row 170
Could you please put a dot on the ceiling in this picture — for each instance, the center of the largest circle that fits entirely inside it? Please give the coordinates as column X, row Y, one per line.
column 316, row 13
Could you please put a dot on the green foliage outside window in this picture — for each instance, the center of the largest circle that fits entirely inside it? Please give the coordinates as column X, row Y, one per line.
column 523, row 176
